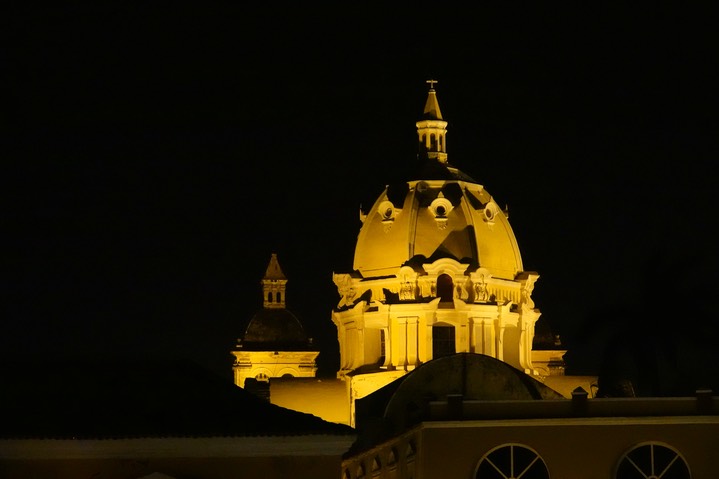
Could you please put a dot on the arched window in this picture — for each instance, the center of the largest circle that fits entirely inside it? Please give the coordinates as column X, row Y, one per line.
column 512, row 461
column 652, row 460
column 269, row 297
column 443, row 342
column 279, row 297
column 445, row 288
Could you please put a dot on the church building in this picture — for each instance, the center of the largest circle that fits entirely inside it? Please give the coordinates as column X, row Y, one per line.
column 440, row 375
column 437, row 271
column 275, row 344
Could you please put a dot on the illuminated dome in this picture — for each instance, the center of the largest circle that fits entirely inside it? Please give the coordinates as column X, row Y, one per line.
column 437, row 271
column 443, row 213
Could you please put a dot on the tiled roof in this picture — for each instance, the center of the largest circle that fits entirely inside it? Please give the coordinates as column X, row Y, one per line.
column 98, row 398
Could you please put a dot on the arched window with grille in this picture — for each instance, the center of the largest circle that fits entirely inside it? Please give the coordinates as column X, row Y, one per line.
column 652, row 460
column 512, row 461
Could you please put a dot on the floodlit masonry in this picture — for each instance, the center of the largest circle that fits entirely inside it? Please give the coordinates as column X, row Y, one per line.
column 437, row 271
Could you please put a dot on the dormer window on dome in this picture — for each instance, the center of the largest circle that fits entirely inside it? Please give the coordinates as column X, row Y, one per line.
column 490, row 212
column 388, row 213
column 441, row 207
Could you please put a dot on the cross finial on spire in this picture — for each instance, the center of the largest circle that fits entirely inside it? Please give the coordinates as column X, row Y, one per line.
column 431, row 84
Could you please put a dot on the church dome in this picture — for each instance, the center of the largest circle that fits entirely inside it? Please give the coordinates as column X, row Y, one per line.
column 275, row 326
column 473, row 376
column 440, row 213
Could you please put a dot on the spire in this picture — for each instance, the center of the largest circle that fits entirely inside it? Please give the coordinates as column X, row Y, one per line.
column 274, row 272
column 274, row 285
column 431, row 107
column 432, row 129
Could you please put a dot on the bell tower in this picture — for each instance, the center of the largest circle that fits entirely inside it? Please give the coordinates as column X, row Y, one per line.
column 275, row 343
column 274, row 285
column 432, row 129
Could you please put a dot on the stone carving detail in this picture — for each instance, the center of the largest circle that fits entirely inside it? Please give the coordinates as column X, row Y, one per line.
column 480, row 290
column 479, row 285
column 407, row 291
column 345, row 288
column 408, row 284
column 527, row 289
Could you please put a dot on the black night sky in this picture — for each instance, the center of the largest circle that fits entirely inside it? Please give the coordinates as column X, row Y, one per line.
column 158, row 156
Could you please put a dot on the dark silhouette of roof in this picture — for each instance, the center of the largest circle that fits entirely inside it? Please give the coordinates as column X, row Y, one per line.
column 96, row 398
column 276, row 329
column 404, row 402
